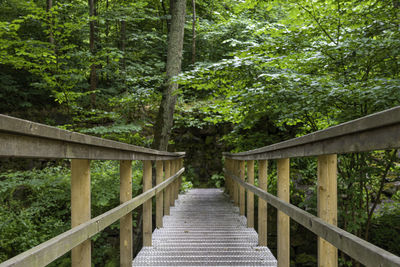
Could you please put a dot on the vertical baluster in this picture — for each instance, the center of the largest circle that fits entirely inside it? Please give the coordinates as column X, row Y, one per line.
column 327, row 206
column 167, row 166
column 160, row 195
column 230, row 184
column 236, row 187
column 80, row 208
column 250, row 195
column 172, row 185
column 125, row 232
column 262, row 204
column 242, row 193
column 178, row 167
column 283, row 219
column 147, row 206
column 226, row 163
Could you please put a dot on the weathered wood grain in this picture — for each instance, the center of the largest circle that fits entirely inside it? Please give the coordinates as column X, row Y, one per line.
column 374, row 132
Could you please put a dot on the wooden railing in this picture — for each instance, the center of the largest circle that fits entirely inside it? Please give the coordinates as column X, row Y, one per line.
column 375, row 132
column 25, row 139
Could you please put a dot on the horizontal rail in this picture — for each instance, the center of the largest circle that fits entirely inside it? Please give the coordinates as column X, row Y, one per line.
column 54, row 248
column 374, row 132
column 22, row 138
column 357, row 248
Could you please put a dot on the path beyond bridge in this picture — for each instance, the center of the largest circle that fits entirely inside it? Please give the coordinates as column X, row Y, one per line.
column 205, row 229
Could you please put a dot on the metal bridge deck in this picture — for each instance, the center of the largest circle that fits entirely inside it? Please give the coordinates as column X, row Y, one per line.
column 204, row 229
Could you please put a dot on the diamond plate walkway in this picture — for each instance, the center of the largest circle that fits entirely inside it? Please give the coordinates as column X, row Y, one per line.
column 204, row 229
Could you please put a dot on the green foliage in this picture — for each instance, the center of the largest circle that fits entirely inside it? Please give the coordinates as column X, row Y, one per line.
column 185, row 185
column 35, row 206
column 217, row 180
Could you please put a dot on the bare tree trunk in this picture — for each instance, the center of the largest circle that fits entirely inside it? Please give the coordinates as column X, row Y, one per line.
column 194, row 32
column 49, row 7
column 123, row 40
column 165, row 116
column 93, row 76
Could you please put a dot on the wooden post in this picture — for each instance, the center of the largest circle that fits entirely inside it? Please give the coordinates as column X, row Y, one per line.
column 147, row 206
column 80, row 208
column 172, row 185
column 226, row 164
column 167, row 166
column 236, row 186
column 327, row 206
column 178, row 167
column 262, row 204
column 228, row 169
column 160, row 195
column 250, row 195
column 242, row 192
column 125, row 232
column 283, row 219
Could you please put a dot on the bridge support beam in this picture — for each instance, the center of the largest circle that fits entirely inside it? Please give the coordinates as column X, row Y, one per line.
column 80, row 208
column 160, row 195
column 250, row 195
column 283, row 219
column 147, row 206
column 262, row 204
column 327, row 206
column 125, row 232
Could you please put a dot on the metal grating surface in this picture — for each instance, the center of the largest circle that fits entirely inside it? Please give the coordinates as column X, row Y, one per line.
column 204, row 229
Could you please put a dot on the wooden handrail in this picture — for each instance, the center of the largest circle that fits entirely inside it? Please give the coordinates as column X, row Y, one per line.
column 54, row 248
column 26, row 139
column 374, row 132
column 22, row 138
column 357, row 248
column 378, row 131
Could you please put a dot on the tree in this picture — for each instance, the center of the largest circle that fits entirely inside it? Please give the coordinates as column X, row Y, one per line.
column 162, row 130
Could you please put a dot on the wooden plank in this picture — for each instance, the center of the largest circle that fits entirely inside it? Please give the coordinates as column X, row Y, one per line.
column 21, row 127
column 368, row 124
column 283, row 220
column 54, row 248
column 167, row 166
column 12, row 145
column 357, row 248
column 250, row 195
column 147, row 207
column 125, row 232
column 242, row 194
column 80, row 208
column 376, row 139
column 160, row 195
column 327, row 206
column 262, row 204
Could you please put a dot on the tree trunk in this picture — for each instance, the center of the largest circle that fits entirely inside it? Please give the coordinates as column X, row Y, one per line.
column 194, row 32
column 49, row 7
column 165, row 116
column 123, row 38
column 93, row 76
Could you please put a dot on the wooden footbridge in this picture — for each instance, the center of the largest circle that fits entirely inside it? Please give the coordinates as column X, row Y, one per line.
column 203, row 227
